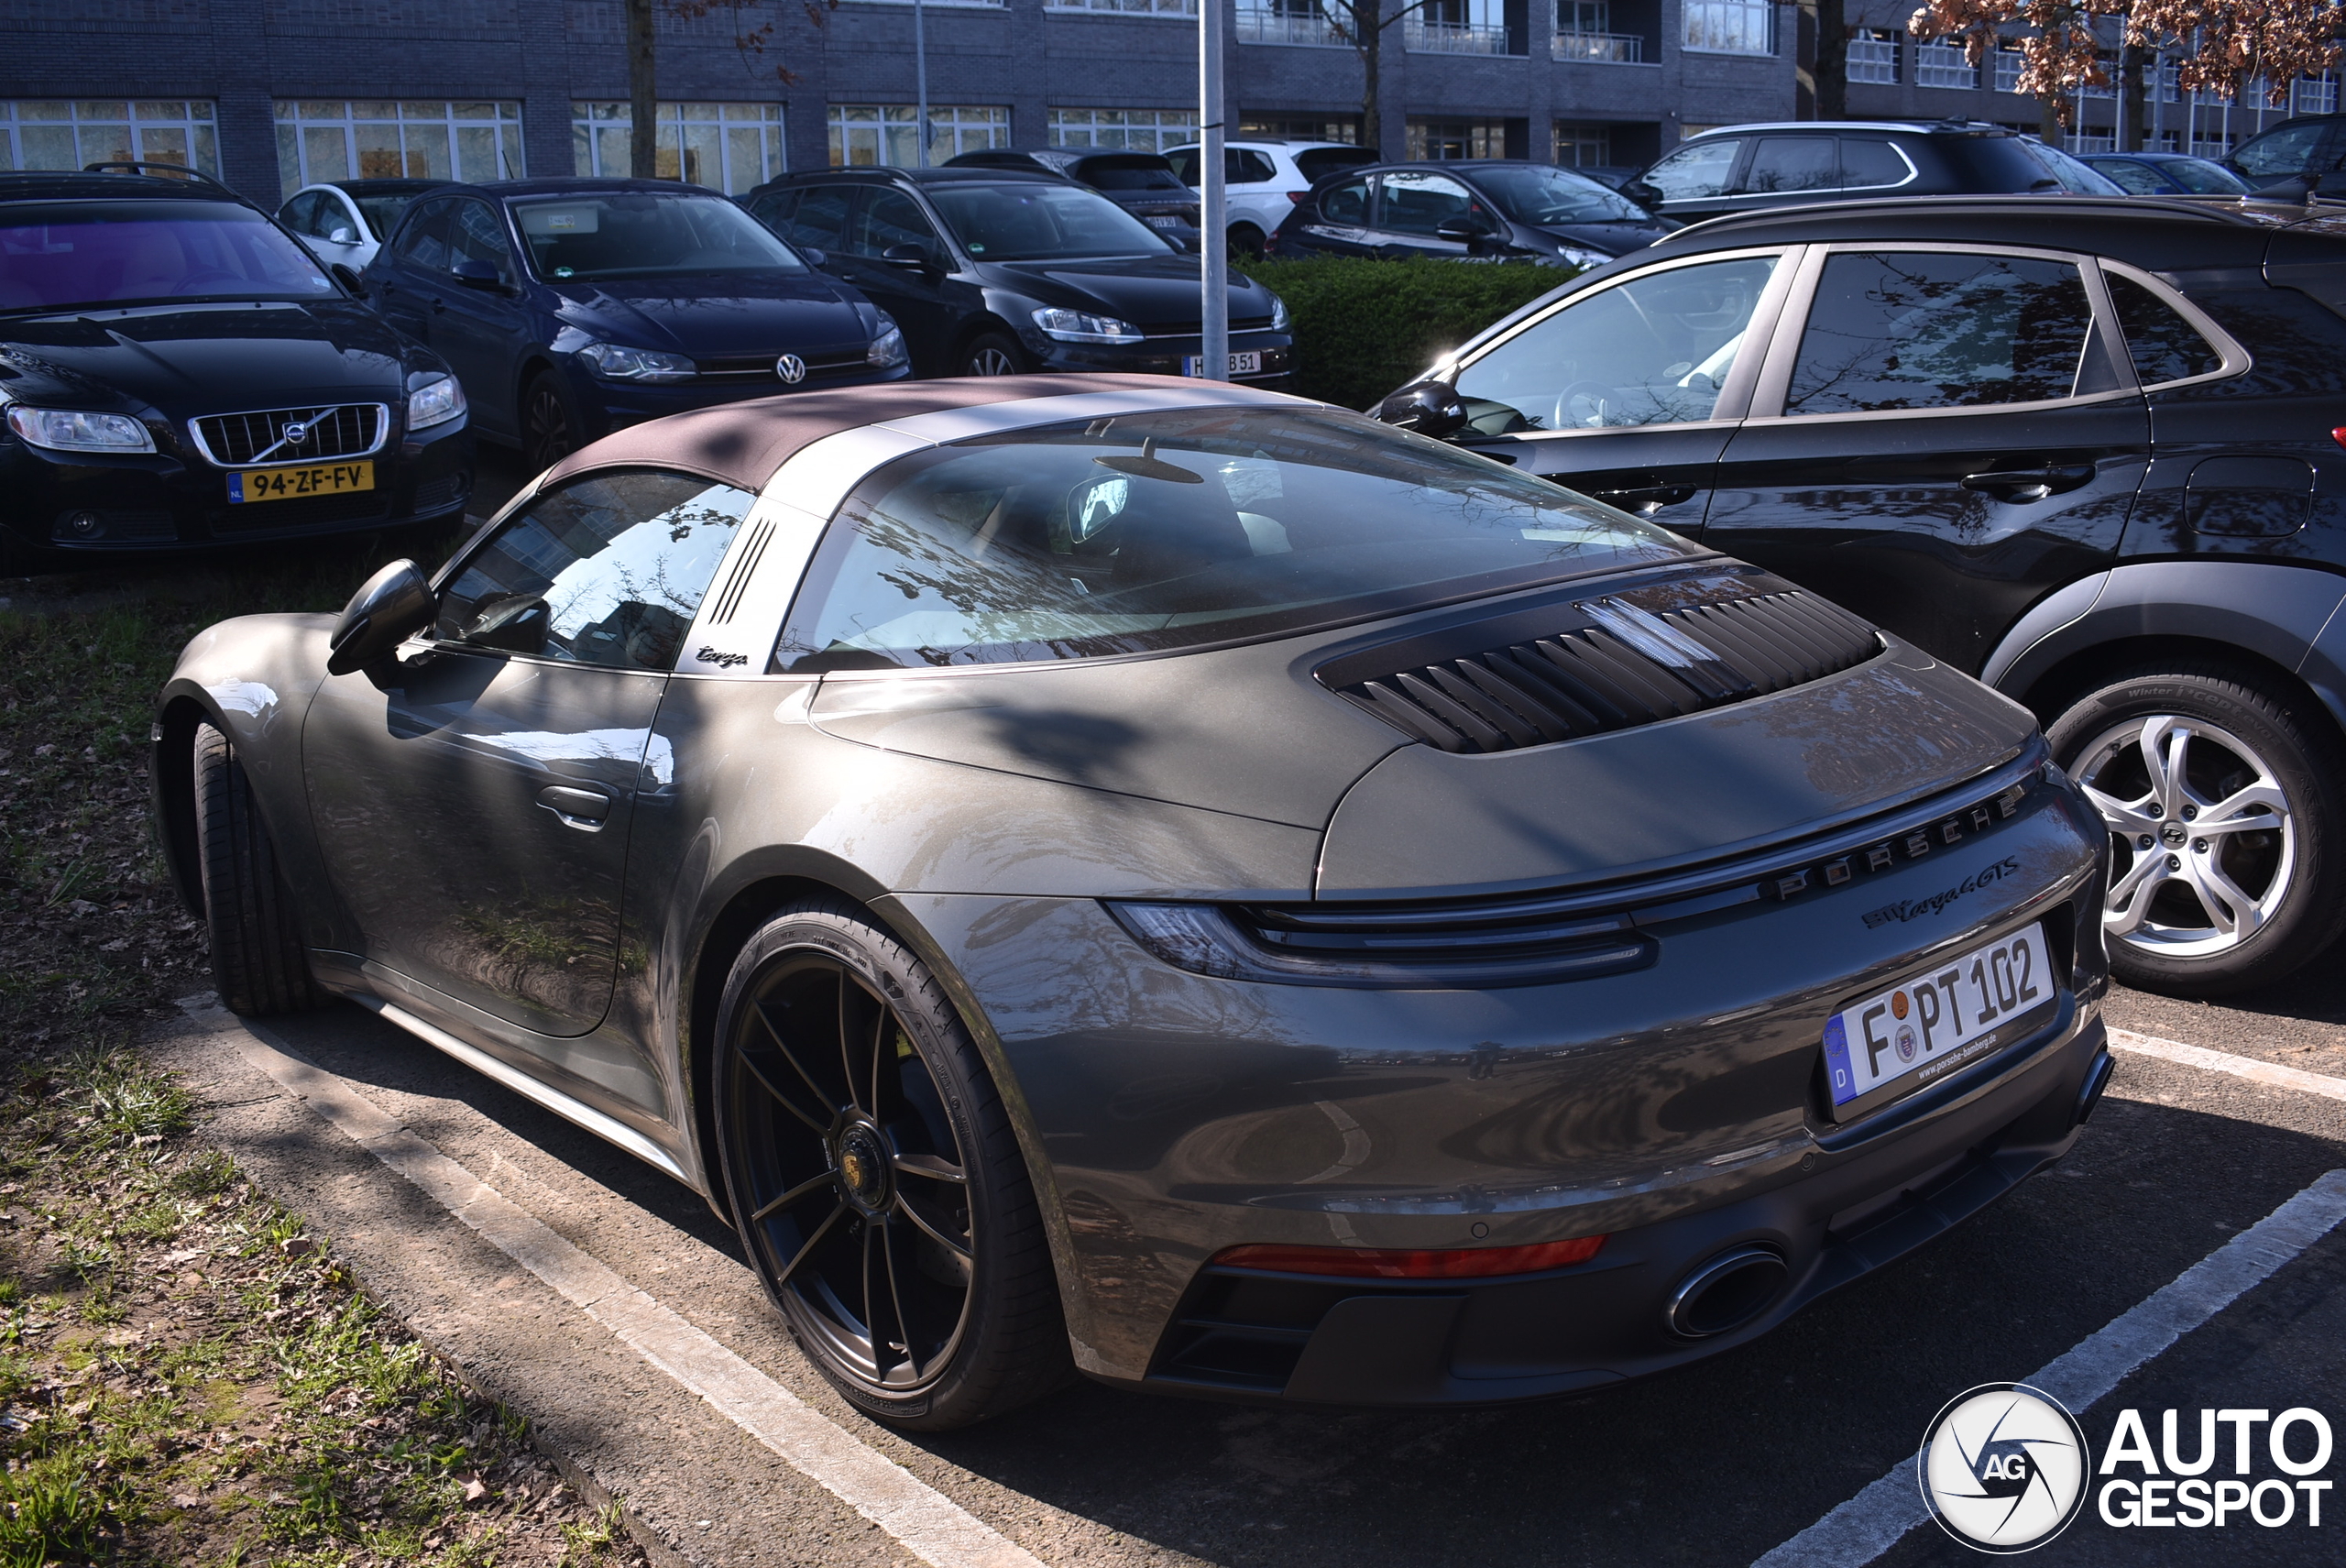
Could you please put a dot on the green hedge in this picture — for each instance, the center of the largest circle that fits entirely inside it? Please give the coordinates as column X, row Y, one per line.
column 1364, row 327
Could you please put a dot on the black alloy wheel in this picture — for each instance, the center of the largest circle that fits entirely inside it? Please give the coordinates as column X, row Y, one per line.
column 549, row 428
column 1245, row 242
column 2227, row 850
column 876, row 1180
column 992, row 354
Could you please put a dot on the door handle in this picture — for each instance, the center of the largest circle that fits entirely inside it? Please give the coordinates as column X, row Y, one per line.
column 584, row 809
column 2046, row 481
column 437, row 304
column 1647, row 497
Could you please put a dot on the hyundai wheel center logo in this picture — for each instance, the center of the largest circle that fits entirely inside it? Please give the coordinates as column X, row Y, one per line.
column 2003, row 1468
column 791, row 369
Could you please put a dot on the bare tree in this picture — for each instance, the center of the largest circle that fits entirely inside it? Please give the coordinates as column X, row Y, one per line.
column 1362, row 24
column 749, row 43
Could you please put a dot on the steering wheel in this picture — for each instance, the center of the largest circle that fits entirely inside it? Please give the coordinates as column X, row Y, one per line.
column 501, row 626
column 1583, row 405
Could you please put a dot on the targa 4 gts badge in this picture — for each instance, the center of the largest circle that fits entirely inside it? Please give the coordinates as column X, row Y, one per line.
column 2003, row 1468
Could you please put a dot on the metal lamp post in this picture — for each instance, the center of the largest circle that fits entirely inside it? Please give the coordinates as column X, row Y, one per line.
column 920, row 86
column 1213, row 243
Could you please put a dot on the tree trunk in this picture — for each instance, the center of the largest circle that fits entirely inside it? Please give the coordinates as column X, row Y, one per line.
column 1370, row 39
column 644, row 110
column 1832, row 77
column 2131, row 99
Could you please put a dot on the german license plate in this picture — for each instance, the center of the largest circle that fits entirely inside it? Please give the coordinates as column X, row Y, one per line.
column 1164, row 220
column 1248, row 362
column 1921, row 1029
column 315, row 479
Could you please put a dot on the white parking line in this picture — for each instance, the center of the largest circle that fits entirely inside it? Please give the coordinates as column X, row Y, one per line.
column 1873, row 1522
column 2271, row 1074
column 927, row 1524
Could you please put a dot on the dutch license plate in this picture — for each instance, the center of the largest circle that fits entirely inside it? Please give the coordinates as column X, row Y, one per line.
column 1924, row 1027
column 1166, row 221
column 1248, row 362
column 315, row 479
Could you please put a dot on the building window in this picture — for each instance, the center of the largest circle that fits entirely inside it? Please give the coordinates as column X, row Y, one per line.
column 731, row 147
column 864, row 135
column 1460, row 26
column 1585, row 32
column 1344, row 128
column 1440, row 141
column 2008, row 64
column 1735, row 26
column 1131, row 130
column 339, row 138
column 1127, row 7
column 1584, row 146
column 1873, row 55
column 1944, row 65
column 37, row 134
column 2314, row 94
column 1288, row 22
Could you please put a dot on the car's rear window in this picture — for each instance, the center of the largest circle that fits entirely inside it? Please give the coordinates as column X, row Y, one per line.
column 1174, row 528
column 1128, row 172
column 64, row 256
column 1317, row 162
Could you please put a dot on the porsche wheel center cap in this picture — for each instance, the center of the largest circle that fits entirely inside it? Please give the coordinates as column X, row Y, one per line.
column 863, row 1167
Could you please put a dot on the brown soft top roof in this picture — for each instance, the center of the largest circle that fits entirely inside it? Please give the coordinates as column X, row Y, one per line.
column 742, row 444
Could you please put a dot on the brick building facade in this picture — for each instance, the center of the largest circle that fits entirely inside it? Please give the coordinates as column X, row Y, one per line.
column 269, row 92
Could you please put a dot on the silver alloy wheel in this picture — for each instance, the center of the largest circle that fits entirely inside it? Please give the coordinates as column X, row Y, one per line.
column 991, row 361
column 2203, row 838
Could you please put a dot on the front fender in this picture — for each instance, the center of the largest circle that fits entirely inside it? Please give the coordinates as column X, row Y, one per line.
column 252, row 678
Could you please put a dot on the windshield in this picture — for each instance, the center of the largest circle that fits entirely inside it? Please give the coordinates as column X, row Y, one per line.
column 1169, row 530
column 77, row 254
column 1538, row 196
column 1130, row 172
column 383, row 213
column 2200, row 175
column 2074, row 176
column 1040, row 222
column 638, row 234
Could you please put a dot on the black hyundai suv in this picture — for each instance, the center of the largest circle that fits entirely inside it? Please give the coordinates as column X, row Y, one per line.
column 2088, row 450
column 176, row 371
column 996, row 272
column 1739, row 169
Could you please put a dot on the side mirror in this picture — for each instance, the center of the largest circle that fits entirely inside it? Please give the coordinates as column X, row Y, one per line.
column 1430, row 408
column 1644, row 195
column 474, row 273
column 348, row 279
column 818, row 259
column 1464, row 226
column 388, row 607
column 911, row 258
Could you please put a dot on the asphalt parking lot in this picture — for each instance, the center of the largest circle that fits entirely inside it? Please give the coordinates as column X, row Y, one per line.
column 1722, row 1464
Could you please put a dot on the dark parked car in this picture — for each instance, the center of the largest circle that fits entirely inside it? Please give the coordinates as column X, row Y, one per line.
column 1484, row 208
column 2089, row 450
column 345, row 222
column 1740, row 168
column 1175, row 882
column 2165, row 174
column 1142, row 183
column 2309, row 148
column 996, row 272
column 176, row 371
column 576, row 307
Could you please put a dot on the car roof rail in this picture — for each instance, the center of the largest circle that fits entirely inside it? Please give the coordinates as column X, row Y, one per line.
column 137, row 165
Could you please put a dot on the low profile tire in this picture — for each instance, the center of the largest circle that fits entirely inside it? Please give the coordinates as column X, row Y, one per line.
column 258, row 963
column 549, row 425
column 2228, row 866
column 875, row 1179
column 992, row 354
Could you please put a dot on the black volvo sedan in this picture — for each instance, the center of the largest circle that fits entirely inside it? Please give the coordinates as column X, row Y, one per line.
column 1174, row 881
column 996, row 272
column 176, row 371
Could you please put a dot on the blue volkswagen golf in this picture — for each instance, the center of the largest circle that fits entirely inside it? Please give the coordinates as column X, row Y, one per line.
column 572, row 307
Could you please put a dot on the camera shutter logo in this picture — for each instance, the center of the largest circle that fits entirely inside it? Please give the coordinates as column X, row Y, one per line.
column 791, row 369
column 2003, row 1468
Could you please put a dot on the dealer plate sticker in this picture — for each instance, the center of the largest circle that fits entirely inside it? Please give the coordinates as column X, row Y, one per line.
column 1922, row 1028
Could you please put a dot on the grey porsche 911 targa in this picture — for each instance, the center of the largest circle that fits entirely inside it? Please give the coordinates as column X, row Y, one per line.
column 1173, row 882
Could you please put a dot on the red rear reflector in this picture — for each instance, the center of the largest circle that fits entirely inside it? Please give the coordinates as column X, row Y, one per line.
column 1297, row 196
column 2338, row 436
column 1466, row 1263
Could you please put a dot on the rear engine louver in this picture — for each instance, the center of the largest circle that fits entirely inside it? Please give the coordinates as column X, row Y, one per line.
column 1623, row 665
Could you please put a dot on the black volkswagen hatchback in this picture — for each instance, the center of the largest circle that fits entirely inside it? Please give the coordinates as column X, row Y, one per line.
column 996, row 272
column 176, row 371
column 1480, row 208
column 1144, row 184
column 572, row 307
column 2089, row 450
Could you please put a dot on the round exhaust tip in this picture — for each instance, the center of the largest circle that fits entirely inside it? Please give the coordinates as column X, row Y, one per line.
column 1727, row 1292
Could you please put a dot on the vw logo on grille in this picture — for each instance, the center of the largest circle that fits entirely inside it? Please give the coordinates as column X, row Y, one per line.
column 296, row 433
column 791, row 369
